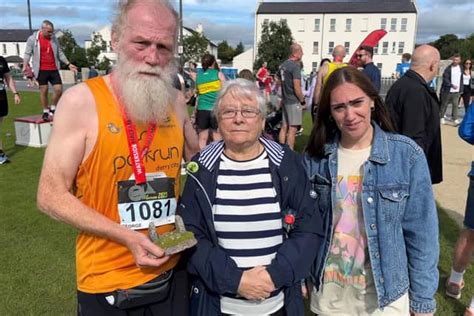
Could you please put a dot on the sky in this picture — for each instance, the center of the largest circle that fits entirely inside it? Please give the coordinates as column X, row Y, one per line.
column 231, row 20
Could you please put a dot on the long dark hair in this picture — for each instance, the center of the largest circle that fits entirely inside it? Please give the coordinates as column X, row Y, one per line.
column 325, row 129
column 470, row 66
column 207, row 61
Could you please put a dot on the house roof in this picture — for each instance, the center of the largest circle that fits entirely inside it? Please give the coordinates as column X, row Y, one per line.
column 14, row 35
column 358, row 6
column 195, row 32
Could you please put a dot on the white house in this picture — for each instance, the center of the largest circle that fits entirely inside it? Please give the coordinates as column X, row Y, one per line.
column 211, row 46
column 13, row 44
column 106, row 34
column 243, row 60
column 319, row 26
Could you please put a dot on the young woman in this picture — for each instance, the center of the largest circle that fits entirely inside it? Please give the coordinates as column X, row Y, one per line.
column 375, row 189
column 467, row 82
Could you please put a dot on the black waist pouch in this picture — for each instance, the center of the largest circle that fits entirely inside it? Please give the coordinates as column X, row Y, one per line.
column 153, row 291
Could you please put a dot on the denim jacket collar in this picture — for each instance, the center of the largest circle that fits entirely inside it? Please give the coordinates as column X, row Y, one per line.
column 379, row 152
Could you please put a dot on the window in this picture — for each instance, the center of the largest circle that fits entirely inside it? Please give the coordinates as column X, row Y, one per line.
column 347, row 46
column 315, row 48
column 393, row 25
column 265, row 21
column 379, row 66
column 385, row 48
column 403, row 27
column 401, row 47
column 301, row 25
column 331, row 47
column 283, row 20
column 18, row 49
column 314, row 65
column 394, row 47
column 348, row 25
column 317, row 25
column 383, row 23
column 376, row 49
column 4, row 49
column 364, row 25
column 332, row 26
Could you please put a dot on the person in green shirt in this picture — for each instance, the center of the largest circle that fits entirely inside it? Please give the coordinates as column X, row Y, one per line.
column 208, row 84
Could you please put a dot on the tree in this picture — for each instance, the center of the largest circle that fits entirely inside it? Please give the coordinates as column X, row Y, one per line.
column 274, row 45
column 448, row 45
column 194, row 47
column 74, row 53
column 239, row 49
column 104, row 64
column 78, row 57
column 225, row 52
column 97, row 46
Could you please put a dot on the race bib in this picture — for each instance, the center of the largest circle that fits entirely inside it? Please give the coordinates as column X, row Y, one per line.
column 154, row 201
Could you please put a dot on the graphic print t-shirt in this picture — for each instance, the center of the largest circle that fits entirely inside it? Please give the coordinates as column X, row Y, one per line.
column 347, row 284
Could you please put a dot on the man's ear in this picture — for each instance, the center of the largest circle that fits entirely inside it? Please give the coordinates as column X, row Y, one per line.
column 115, row 41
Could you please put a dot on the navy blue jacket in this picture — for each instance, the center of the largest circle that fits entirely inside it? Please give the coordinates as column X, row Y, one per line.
column 213, row 272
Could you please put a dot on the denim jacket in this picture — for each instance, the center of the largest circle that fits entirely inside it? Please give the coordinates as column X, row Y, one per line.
column 400, row 218
column 212, row 271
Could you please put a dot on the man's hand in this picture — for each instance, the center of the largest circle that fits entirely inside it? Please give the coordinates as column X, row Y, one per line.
column 145, row 252
column 73, row 68
column 454, row 86
column 255, row 284
column 17, row 99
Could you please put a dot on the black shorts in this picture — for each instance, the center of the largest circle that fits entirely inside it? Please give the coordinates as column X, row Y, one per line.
column 51, row 76
column 205, row 120
column 3, row 103
column 176, row 303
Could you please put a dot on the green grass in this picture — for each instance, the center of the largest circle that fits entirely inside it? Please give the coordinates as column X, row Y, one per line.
column 37, row 257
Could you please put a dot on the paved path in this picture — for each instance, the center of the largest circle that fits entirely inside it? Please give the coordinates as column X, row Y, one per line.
column 457, row 156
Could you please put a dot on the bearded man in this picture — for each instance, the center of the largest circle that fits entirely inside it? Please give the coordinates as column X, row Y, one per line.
column 113, row 166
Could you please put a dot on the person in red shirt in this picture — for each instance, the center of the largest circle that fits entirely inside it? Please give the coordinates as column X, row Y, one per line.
column 43, row 46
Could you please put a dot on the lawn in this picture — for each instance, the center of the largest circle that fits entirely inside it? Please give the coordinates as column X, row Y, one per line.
column 37, row 253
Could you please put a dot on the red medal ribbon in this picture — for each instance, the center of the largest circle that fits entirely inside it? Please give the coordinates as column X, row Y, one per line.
column 136, row 156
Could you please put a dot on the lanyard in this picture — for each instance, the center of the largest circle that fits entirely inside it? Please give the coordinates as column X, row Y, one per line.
column 136, row 156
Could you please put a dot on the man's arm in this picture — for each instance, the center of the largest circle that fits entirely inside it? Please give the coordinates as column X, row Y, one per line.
column 11, row 85
column 28, row 51
column 298, row 91
column 73, row 136
column 319, row 84
column 64, row 60
column 191, row 143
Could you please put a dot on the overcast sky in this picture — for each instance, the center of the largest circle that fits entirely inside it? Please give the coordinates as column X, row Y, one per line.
column 231, row 20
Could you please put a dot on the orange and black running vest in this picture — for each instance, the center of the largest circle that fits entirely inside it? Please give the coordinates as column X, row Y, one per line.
column 102, row 264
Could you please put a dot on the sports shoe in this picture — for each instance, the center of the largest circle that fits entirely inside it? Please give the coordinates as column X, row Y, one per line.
column 443, row 121
column 457, row 122
column 3, row 158
column 45, row 116
column 453, row 290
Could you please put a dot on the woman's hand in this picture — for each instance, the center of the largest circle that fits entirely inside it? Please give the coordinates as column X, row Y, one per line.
column 256, row 284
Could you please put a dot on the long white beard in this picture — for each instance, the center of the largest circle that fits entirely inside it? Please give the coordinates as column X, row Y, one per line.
column 145, row 98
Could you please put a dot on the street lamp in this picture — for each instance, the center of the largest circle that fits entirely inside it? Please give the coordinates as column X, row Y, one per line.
column 29, row 16
column 181, row 48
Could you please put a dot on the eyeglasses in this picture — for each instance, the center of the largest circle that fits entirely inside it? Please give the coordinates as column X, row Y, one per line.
column 245, row 112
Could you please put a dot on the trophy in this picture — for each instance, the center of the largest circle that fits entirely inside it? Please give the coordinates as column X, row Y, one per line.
column 174, row 241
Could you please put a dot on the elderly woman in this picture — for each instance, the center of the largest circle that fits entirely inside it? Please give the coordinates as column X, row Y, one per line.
column 247, row 200
column 374, row 187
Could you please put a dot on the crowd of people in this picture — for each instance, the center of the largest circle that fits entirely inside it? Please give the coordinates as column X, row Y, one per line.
column 350, row 224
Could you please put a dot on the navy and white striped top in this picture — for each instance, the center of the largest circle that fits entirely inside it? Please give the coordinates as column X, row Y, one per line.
column 248, row 222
